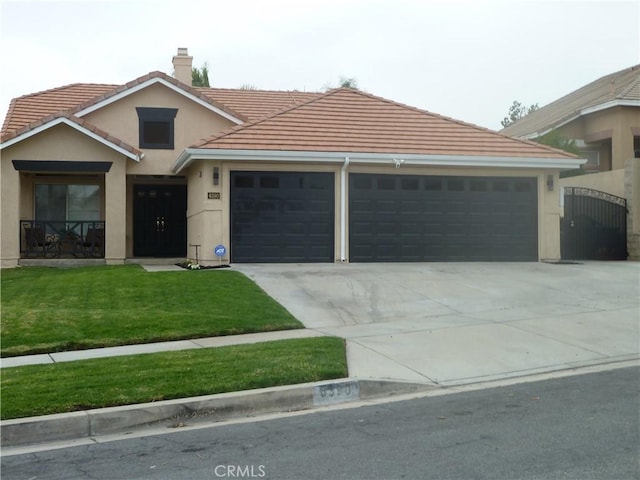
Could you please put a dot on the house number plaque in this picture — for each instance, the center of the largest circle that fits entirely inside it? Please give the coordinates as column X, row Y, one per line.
column 213, row 195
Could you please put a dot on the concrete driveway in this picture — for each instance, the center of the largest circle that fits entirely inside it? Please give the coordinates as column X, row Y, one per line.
column 456, row 323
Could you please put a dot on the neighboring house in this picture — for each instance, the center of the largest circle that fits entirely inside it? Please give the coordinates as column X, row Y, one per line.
column 603, row 119
column 156, row 167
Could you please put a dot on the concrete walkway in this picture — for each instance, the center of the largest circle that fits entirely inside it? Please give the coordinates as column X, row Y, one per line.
column 209, row 342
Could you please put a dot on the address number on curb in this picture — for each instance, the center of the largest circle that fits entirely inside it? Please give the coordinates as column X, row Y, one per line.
column 336, row 393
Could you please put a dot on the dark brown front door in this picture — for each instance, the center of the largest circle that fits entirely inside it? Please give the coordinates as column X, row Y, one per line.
column 159, row 220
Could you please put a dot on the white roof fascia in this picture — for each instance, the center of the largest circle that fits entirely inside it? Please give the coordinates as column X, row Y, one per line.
column 74, row 125
column 192, row 154
column 584, row 111
column 611, row 104
column 162, row 81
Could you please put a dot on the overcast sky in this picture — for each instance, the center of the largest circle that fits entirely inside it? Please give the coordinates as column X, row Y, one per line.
column 464, row 59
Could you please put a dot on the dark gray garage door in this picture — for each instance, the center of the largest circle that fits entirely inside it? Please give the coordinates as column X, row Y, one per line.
column 431, row 218
column 282, row 217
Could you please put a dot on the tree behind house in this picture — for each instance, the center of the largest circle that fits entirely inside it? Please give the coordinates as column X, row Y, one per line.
column 200, row 77
column 517, row 111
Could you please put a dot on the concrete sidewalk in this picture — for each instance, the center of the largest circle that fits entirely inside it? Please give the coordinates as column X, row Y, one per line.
column 408, row 327
column 208, row 342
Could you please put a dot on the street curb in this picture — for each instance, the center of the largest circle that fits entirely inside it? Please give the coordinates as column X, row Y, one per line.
column 187, row 411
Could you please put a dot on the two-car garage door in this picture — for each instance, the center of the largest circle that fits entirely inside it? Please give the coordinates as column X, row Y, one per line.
column 289, row 217
column 401, row 218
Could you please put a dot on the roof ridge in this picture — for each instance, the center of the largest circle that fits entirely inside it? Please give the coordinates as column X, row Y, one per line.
column 231, row 130
column 255, row 90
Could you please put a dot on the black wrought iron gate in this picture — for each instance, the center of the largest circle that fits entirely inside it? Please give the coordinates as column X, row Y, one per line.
column 594, row 226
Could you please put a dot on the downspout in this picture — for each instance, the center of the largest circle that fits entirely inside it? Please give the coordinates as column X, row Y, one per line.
column 343, row 210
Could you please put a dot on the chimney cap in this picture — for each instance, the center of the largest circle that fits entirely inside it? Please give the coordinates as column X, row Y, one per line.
column 182, row 65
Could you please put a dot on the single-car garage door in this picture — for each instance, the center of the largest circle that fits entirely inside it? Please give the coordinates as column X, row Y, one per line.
column 410, row 218
column 282, row 217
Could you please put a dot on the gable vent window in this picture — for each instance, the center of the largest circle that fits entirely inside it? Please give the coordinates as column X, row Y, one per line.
column 156, row 127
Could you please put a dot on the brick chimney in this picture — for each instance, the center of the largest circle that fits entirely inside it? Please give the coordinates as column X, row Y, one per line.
column 182, row 64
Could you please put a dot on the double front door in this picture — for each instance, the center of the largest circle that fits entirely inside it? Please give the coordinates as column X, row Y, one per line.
column 160, row 222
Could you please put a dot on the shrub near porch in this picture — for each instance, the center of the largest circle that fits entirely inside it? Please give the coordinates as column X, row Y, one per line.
column 50, row 309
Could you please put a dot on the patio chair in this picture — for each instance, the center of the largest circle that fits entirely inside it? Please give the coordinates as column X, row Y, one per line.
column 37, row 243
column 93, row 242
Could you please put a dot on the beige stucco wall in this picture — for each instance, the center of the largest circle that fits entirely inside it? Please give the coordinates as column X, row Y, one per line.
column 616, row 123
column 61, row 143
column 209, row 220
column 9, row 213
column 632, row 194
column 192, row 123
column 610, row 182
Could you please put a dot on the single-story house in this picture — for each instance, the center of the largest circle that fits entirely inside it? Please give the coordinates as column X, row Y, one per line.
column 157, row 168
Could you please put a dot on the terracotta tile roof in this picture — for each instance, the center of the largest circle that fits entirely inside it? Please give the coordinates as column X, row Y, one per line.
column 346, row 120
column 80, row 122
column 255, row 104
column 619, row 86
column 30, row 108
column 245, row 105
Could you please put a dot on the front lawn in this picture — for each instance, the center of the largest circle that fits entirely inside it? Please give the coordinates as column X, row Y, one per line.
column 52, row 309
column 80, row 385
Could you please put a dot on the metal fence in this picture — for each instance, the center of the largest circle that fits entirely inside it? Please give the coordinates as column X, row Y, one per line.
column 62, row 238
column 594, row 226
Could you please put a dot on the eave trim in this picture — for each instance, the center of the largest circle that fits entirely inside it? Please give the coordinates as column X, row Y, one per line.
column 193, row 154
column 584, row 111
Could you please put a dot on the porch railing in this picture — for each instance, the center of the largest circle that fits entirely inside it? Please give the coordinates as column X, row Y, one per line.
column 62, row 238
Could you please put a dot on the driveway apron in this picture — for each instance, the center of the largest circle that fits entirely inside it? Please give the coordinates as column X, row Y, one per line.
column 456, row 323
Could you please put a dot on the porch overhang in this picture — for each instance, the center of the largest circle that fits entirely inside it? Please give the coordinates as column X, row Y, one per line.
column 55, row 166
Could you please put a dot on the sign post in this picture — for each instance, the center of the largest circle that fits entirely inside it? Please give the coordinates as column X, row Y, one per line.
column 220, row 251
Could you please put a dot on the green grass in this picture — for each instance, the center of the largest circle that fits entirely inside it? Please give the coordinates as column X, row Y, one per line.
column 51, row 309
column 80, row 385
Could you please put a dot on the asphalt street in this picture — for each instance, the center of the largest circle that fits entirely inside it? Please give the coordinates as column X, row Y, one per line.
column 577, row 427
